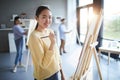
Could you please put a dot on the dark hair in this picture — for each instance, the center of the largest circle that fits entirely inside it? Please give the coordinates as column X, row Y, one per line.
column 62, row 19
column 38, row 12
column 16, row 18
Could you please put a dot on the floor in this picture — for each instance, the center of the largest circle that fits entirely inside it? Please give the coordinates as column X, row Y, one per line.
column 69, row 64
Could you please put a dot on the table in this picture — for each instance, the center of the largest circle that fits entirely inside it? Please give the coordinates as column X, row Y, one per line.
column 108, row 50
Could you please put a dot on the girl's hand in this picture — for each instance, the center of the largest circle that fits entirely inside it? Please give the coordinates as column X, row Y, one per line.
column 52, row 39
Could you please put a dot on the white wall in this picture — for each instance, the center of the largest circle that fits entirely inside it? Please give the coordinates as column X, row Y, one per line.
column 68, row 11
column 71, row 19
column 58, row 7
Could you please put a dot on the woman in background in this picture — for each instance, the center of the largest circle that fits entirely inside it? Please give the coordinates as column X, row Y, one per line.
column 19, row 40
column 44, row 49
column 63, row 31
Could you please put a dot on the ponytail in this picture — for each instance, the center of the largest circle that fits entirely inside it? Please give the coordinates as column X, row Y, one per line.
column 36, row 26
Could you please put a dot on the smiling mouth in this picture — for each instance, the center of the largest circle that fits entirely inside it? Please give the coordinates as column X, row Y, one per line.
column 46, row 24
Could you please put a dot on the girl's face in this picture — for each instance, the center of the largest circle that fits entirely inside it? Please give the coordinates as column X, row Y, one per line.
column 44, row 19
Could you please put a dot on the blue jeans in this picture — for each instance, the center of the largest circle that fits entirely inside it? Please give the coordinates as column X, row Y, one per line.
column 53, row 77
column 19, row 48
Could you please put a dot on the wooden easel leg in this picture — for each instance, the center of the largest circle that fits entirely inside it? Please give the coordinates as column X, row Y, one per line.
column 82, row 62
column 27, row 62
column 99, row 54
column 97, row 62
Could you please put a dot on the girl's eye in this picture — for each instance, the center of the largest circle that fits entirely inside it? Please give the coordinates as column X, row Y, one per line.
column 44, row 17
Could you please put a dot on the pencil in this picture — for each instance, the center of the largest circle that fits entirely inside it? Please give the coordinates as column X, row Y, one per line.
column 44, row 37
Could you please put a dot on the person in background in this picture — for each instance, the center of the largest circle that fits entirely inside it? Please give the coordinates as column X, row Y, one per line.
column 18, row 37
column 43, row 48
column 63, row 31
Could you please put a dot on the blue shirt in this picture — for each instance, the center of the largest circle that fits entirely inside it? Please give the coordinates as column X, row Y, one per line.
column 62, row 30
column 18, row 31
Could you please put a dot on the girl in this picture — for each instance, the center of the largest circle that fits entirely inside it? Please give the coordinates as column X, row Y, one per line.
column 43, row 48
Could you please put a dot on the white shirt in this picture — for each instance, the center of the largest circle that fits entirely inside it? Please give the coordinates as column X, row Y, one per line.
column 62, row 30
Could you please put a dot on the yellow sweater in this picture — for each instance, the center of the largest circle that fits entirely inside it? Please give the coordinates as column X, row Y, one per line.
column 46, row 62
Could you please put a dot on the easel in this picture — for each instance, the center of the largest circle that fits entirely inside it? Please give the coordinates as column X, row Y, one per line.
column 31, row 28
column 89, row 49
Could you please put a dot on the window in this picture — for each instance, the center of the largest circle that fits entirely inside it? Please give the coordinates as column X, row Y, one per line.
column 84, row 12
column 85, row 2
column 111, row 20
column 85, row 18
